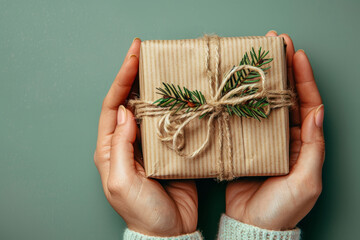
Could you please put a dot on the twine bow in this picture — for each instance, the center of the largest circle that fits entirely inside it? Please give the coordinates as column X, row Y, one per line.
column 170, row 128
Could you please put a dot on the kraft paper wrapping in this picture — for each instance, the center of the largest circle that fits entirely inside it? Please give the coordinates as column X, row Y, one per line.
column 259, row 148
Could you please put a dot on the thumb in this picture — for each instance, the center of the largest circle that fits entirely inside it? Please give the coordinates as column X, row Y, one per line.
column 312, row 152
column 122, row 150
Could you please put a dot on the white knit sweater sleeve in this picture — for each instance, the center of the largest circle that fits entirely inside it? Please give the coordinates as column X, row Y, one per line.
column 229, row 229
column 232, row 229
column 132, row 235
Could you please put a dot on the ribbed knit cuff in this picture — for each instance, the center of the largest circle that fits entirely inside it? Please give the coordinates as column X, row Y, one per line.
column 232, row 229
column 132, row 235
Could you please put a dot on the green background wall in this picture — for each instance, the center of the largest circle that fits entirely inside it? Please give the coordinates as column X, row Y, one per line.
column 58, row 59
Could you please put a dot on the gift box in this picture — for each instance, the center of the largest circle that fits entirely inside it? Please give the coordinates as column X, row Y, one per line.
column 231, row 142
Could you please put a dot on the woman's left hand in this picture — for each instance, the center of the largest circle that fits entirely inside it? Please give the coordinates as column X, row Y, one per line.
column 279, row 203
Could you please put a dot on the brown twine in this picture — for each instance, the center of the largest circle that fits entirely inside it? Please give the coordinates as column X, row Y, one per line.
column 170, row 128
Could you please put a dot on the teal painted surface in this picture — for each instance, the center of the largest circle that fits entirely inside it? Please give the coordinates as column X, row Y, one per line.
column 58, row 59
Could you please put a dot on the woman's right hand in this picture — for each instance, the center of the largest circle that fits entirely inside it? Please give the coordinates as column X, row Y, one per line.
column 148, row 207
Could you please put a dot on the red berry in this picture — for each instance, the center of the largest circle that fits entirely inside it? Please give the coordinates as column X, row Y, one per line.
column 190, row 104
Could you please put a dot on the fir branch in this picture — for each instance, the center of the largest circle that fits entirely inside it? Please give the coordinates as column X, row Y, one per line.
column 178, row 99
column 254, row 108
column 245, row 76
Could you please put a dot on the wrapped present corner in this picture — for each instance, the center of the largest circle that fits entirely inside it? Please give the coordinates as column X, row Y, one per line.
column 214, row 141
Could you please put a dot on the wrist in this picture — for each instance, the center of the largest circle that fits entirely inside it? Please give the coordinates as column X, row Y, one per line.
column 159, row 231
column 155, row 233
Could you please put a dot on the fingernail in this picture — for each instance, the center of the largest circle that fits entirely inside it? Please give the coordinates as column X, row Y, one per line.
column 273, row 31
column 136, row 39
column 132, row 55
column 301, row 50
column 121, row 118
column 319, row 116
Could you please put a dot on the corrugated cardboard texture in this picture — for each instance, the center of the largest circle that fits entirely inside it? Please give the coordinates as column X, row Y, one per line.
column 259, row 148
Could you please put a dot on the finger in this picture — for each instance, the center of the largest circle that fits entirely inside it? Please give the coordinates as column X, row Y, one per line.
column 309, row 96
column 312, row 150
column 290, row 51
column 271, row 33
column 122, row 163
column 117, row 94
column 121, row 86
column 295, row 144
column 294, row 113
